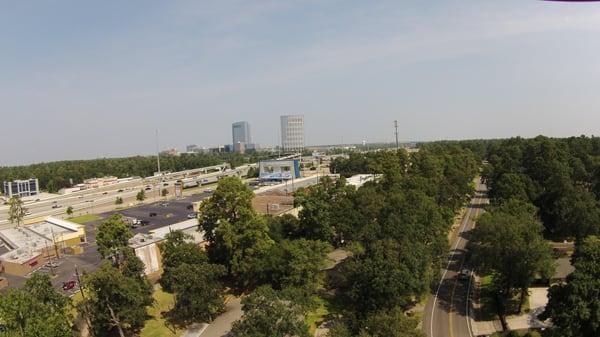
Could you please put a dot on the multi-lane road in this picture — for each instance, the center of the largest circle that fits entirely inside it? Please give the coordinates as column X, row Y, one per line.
column 103, row 198
column 448, row 312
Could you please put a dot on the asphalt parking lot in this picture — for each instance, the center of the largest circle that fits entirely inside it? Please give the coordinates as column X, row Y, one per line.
column 90, row 260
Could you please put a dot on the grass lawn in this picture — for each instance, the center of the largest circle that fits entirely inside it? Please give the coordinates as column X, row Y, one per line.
column 487, row 311
column 326, row 306
column 155, row 327
column 85, row 218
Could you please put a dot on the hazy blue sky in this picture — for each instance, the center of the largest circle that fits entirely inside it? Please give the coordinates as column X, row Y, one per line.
column 83, row 79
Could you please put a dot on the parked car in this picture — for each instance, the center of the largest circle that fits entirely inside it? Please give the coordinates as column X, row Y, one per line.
column 208, row 190
column 192, row 216
column 120, row 191
column 165, row 204
column 144, row 222
column 464, row 274
column 148, row 188
column 66, row 286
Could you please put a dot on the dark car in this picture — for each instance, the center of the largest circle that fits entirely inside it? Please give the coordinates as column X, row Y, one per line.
column 148, row 188
column 464, row 274
column 144, row 222
column 152, row 214
column 190, row 207
column 120, row 191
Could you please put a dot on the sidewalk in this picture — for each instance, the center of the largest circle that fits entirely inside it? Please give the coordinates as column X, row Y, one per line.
column 221, row 325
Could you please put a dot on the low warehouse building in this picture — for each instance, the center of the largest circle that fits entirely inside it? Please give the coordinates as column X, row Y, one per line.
column 146, row 246
column 28, row 248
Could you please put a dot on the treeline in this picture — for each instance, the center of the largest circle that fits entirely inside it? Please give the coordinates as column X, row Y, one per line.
column 561, row 177
column 541, row 188
column 398, row 226
column 56, row 175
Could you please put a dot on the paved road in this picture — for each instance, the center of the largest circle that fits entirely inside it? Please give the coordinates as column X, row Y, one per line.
column 446, row 311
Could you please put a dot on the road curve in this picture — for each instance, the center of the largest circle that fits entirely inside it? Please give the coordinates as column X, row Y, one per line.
column 446, row 310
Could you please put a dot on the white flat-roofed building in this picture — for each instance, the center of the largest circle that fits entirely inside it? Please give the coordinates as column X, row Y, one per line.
column 292, row 132
column 30, row 247
column 146, row 246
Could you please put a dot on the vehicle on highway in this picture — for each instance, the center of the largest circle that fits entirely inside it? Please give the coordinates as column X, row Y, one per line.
column 464, row 274
column 192, row 216
column 165, row 204
column 55, row 206
column 208, row 190
column 152, row 214
column 104, row 192
column 144, row 222
column 148, row 188
column 188, row 207
column 166, row 184
column 27, row 213
column 120, row 191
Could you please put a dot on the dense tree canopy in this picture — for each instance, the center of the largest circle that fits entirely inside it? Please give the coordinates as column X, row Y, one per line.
column 269, row 313
column 575, row 306
column 36, row 310
column 112, row 236
column 116, row 304
column 178, row 249
column 508, row 243
column 198, row 293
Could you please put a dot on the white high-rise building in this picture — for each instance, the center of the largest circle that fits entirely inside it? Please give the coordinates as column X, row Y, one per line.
column 292, row 132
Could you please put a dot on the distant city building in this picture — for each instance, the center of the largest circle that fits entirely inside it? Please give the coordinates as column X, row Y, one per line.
column 192, row 148
column 292, row 132
column 99, row 182
column 21, row 188
column 170, row 152
column 239, row 147
column 228, row 148
column 240, row 132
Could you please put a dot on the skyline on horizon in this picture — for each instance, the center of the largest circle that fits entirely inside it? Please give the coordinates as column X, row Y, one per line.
column 84, row 81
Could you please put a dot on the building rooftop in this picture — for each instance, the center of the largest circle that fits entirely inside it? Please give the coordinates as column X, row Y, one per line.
column 27, row 242
column 154, row 236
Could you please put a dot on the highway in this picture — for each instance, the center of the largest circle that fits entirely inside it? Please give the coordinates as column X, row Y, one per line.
column 103, row 198
column 448, row 311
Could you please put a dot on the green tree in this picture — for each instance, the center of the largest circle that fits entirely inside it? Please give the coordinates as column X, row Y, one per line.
column 242, row 247
column 392, row 323
column 16, row 211
column 198, row 293
column 117, row 304
column 270, row 314
column 69, row 210
column 141, row 195
column 36, row 310
column 112, row 237
column 178, row 249
column 231, row 202
column 508, row 243
column 295, row 263
column 574, row 307
column 387, row 275
column 118, row 201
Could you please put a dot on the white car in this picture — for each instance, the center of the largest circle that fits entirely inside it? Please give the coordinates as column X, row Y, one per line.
column 192, row 216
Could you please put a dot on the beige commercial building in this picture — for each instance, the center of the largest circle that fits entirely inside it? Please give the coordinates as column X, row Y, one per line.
column 147, row 246
column 27, row 248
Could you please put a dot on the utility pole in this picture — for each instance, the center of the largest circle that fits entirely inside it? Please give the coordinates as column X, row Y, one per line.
column 85, row 306
column 157, row 153
column 396, row 132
